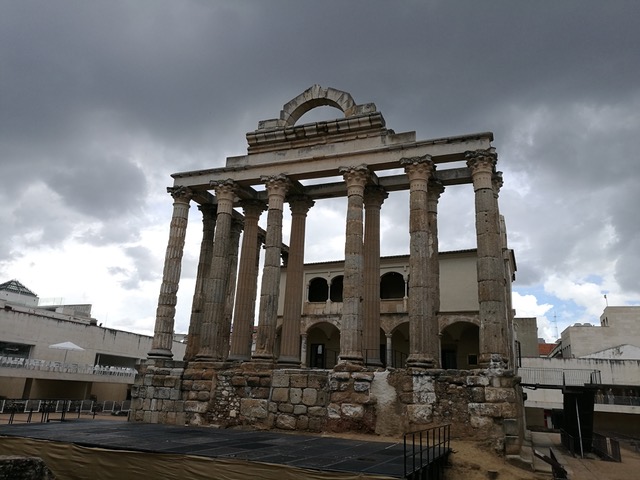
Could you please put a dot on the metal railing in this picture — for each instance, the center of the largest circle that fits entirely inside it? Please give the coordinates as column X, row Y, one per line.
column 43, row 409
column 606, row 399
column 61, row 367
column 558, row 377
column 426, row 452
column 568, row 442
column 606, row 447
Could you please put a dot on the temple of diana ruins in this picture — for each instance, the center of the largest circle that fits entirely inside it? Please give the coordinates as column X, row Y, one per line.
column 369, row 344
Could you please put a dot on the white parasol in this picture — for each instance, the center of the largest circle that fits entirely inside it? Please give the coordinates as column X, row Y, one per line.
column 66, row 346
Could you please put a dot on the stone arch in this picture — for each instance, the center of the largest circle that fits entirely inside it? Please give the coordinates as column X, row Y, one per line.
column 392, row 286
column 460, row 345
column 336, row 288
column 323, row 345
column 316, row 96
column 399, row 345
column 318, row 290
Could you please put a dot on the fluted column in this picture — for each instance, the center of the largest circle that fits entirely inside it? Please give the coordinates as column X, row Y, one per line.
column 268, row 314
column 435, row 189
column 491, row 288
column 353, row 288
column 373, row 199
column 204, row 268
column 423, row 329
column 216, row 283
column 290, row 338
column 389, row 337
column 166, row 311
column 244, row 313
column 225, row 326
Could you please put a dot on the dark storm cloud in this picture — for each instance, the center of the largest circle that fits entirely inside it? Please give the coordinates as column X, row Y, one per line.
column 101, row 101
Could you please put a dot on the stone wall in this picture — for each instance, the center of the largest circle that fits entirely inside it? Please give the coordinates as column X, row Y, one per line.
column 480, row 404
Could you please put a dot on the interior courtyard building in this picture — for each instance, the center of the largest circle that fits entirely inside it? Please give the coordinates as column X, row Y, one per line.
column 367, row 343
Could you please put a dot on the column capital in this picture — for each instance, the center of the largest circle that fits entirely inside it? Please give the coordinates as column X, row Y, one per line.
column 253, row 208
column 180, row 193
column 356, row 178
column 482, row 164
column 418, row 168
column 374, row 196
column 277, row 187
column 300, row 204
column 481, row 160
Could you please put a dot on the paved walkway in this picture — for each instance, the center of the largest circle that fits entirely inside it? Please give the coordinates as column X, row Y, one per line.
column 313, row 452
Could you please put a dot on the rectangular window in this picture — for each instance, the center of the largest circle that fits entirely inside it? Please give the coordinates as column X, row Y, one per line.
column 472, row 359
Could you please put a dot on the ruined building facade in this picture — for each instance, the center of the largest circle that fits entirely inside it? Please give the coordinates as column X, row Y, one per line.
column 221, row 380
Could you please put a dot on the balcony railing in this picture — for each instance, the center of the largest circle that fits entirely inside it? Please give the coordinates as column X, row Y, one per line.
column 60, row 367
column 558, row 377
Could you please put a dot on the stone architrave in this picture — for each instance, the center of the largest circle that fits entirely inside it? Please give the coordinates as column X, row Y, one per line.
column 276, row 186
column 290, row 338
column 216, row 283
column 356, row 179
column 491, row 289
column 423, row 327
column 373, row 199
column 204, row 267
column 435, row 189
column 166, row 311
column 244, row 314
column 225, row 326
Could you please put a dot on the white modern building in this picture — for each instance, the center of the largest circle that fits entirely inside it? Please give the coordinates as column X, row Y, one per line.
column 60, row 351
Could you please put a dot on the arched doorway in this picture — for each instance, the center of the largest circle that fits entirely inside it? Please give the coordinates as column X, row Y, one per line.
column 399, row 346
column 323, row 345
column 459, row 345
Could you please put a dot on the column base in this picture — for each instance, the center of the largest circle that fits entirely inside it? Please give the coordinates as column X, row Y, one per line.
column 288, row 362
column 419, row 361
column 160, row 353
column 493, row 361
column 239, row 358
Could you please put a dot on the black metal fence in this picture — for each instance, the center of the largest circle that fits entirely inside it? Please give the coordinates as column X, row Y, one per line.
column 426, row 453
column 606, row 447
column 46, row 410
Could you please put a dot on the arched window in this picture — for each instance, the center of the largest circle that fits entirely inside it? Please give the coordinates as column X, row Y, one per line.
column 391, row 286
column 336, row 289
column 318, row 290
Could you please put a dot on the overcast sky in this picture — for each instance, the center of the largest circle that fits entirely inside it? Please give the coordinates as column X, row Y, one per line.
column 101, row 101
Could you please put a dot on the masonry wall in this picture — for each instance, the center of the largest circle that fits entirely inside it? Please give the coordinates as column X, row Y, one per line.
column 479, row 404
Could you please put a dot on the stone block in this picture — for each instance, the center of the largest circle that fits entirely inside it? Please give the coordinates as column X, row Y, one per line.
column 203, row 396
column 363, row 376
column 322, row 398
column 486, row 409
column 317, row 381
column 253, row 408
column 420, row 413
column 273, row 407
column 302, row 422
column 253, row 381
column 317, row 411
column 316, row 424
column 280, row 379
column 295, row 395
column 286, row 422
column 14, row 467
column 300, row 409
column 163, row 393
column 238, row 381
column 333, row 411
column 195, row 407
column 493, row 394
column 477, row 394
column 280, row 394
column 309, row 396
column 340, row 376
column 361, row 386
column 512, row 445
column 299, row 381
column 285, row 408
column 181, row 418
column 478, row 380
column 510, row 426
column 154, row 417
column 351, row 410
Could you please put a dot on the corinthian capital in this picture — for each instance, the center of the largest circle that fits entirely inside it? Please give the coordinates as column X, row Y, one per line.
column 484, row 160
column 357, row 176
column 180, row 193
column 418, row 168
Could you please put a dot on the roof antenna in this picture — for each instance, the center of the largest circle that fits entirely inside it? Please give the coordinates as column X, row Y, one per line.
column 555, row 322
column 606, row 301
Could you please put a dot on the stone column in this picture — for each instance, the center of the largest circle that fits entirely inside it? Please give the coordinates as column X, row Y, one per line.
column 373, row 199
column 166, row 311
column 290, row 338
column 423, row 328
column 303, row 350
column 204, row 268
column 491, row 288
column 244, row 314
column 435, row 189
column 216, row 283
column 353, row 289
column 225, row 327
column 389, row 337
column 268, row 314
